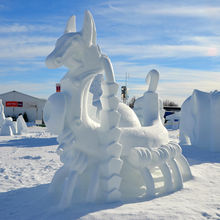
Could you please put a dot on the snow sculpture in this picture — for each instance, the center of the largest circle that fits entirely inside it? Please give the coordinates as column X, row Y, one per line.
column 6, row 124
column 150, row 112
column 173, row 121
column 21, row 125
column 101, row 161
column 8, row 127
column 146, row 107
column 200, row 122
column 2, row 114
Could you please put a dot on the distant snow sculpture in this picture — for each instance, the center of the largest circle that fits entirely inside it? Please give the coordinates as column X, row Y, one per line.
column 102, row 161
column 6, row 124
column 146, row 107
column 21, row 125
column 173, row 121
column 8, row 127
column 200, row 121
column 2, row 114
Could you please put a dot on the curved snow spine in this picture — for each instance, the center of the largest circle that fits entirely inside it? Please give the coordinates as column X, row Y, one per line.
column 171, row 163
column 110, row 170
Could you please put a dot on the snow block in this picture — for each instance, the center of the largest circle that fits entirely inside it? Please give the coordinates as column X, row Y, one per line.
column 109, row 119
column 109, row 88
column 110, row 137
column 114, row 196
column 109, row 102
column 113, row 166
column 200, row 120
column 114, row 150
column 111, row 183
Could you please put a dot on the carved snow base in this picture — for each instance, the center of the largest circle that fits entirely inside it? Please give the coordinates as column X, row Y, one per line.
column 162, row 169
column 157, row 171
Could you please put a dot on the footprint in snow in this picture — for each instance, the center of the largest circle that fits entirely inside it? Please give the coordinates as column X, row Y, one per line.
column 30, row 157
column 2, row 170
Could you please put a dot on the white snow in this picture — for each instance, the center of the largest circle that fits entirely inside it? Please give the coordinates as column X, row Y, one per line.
column 128, row 117
column 102, row 162
column 28, row 163
column 200, row 121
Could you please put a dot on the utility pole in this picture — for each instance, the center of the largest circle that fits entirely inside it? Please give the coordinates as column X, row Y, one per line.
column 124, row 91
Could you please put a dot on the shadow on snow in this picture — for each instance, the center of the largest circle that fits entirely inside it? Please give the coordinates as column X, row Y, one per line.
column 30, row 142
column 36, row 203
column 197, row 155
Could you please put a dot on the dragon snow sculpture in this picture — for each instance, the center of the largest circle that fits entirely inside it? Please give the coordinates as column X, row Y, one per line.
column 102, row 161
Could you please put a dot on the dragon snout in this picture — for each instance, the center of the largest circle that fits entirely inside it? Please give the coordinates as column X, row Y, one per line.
column 53, row 62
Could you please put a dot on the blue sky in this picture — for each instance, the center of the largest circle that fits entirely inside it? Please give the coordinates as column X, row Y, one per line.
column 181, row 39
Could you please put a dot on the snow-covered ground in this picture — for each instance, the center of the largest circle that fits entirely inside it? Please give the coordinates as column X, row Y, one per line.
column 28, row 163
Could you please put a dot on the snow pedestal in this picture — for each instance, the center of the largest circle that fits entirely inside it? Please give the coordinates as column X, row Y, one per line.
column 101, row 160
column 200, row 120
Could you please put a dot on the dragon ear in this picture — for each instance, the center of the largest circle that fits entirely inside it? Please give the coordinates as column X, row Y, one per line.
column 93, row 32
column 87, row 30
column 71, row 25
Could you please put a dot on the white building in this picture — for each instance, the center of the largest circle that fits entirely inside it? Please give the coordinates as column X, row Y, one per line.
column 16, row 103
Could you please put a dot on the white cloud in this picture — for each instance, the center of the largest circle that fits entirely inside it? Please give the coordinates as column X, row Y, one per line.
column 41, row 90
column 22, row 28
column 186, row 11
column 135, row 31
column 175, row 83
column 136, row 51
column 158, row 8
column 25, row 47
column 25, row 39
column 25, row 51
column 175, row 91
